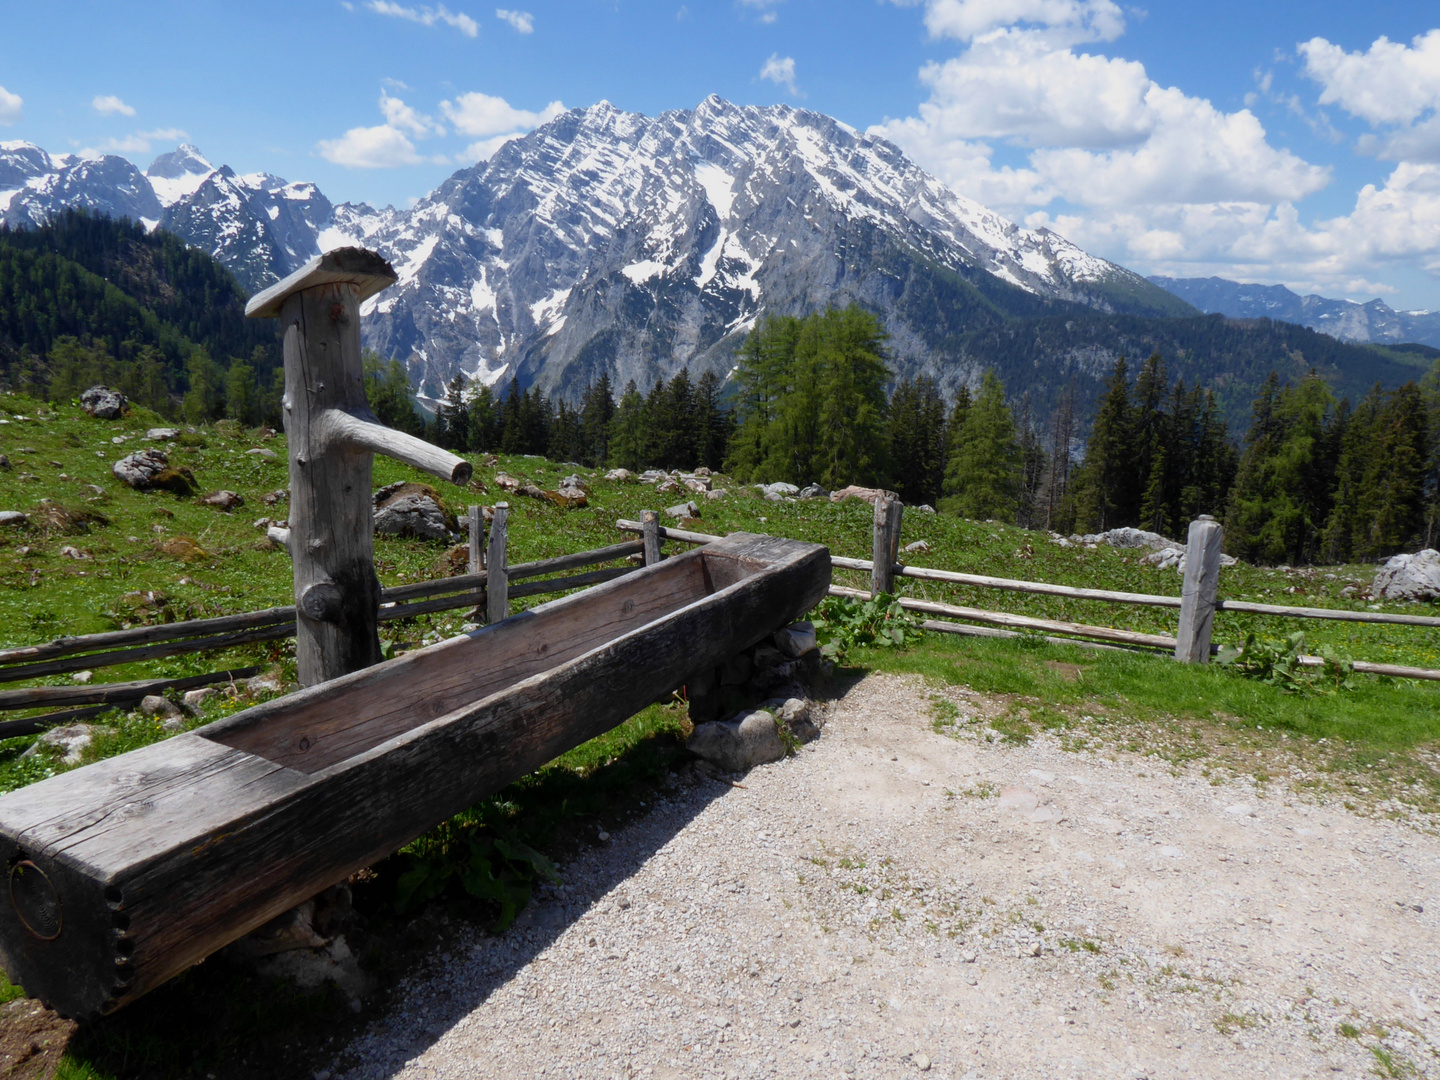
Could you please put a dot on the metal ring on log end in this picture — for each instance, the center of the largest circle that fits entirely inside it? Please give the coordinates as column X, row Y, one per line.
column 35, row 900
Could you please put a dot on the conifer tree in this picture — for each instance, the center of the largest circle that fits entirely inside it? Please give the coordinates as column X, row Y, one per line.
column 1282, row 492
column 1104, row 483
column 626, row 437
column 917, row 439
column 512, row 432
column 242, row 395
column 982, row 478
column 452, row 418
column 484, row 433
column 712, row 423
column 597, row 409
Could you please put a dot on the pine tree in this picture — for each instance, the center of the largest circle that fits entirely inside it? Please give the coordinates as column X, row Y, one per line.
column 712, row 423
column 512, row 433
column 1032, row 468
column 242, row 395
column 1105, row 482
column 626, row 437
column 1281, row 499
column 452, row 417
column 205, row 397
column 387, row 389
column 1057, row 476
column 597, row 409
column 982, row 478
column 917, row 439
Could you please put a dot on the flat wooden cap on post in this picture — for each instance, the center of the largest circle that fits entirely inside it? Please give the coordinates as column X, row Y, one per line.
column 332, row 434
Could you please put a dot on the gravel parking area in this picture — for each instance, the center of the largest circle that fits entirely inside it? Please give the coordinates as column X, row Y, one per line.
column 893, row 901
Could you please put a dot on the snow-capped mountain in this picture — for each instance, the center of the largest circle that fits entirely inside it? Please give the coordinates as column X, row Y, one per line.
column 614, row 242
column 1375, row 322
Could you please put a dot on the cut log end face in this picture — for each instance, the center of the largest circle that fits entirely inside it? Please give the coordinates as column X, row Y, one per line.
column 36, row 903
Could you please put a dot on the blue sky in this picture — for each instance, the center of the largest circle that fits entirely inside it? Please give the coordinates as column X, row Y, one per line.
column 1277, row 141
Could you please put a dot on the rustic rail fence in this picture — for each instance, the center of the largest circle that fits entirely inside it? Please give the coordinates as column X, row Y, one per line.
column 489, row 590
column 1196, row 607
column 491, row 583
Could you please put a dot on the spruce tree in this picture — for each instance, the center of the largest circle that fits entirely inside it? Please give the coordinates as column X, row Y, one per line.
column 626, row 437
column 597, row 409
column 711, row 428
column 1105, row 482
column 452, row 418
column 982, row 479
column 484, row 433
column 917, row 439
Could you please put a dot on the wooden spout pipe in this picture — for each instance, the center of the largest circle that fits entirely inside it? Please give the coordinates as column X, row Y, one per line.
column 332, row 435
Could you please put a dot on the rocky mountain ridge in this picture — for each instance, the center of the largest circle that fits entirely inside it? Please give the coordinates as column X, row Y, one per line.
column 1372, row 323
column 608, row 241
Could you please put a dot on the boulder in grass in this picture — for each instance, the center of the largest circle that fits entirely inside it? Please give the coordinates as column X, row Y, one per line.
column 103, row 403
column 620, row 476
column 814, row 491
column 162, row 434
column 150, row 470
column 683, row 511
column 407, row 509
column 1409, row 577
column 869, row 495
column 223, row 500
column 13, row 518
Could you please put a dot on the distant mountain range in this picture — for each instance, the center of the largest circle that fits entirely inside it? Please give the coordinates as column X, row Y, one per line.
column 1373, row 323
column 616, row 243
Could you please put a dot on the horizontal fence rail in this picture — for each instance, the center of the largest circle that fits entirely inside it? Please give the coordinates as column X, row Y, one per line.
column 1002, row 624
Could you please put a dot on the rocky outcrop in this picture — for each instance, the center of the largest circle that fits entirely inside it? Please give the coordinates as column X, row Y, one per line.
column 150, row 470
column 1409, row 577
column 103, row 403
column 408, row 509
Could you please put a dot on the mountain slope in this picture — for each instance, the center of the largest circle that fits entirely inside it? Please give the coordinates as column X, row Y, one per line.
column 1375, row 322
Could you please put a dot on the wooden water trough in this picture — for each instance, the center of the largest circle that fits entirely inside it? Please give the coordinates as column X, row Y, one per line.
column 128, row 871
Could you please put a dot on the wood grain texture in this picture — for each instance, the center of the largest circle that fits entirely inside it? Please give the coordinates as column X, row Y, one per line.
column 1198, row 592
column 650, row 533
column 886, row 544
column 497, row 587
column 160, row 856
column 366, row 271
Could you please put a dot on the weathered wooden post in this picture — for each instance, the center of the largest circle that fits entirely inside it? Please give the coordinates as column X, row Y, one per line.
column 497, row 566
column 650, row 533
column 332, row 436
column 887, row 544
column 476, row 562
column 1199, row 592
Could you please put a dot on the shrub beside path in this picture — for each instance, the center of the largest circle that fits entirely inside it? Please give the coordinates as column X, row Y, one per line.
column 895, row 901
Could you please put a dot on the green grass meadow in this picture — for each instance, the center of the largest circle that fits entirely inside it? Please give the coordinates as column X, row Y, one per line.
column 1374, row 742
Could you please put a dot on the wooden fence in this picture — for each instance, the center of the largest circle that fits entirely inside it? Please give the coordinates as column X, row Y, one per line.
column 884, row 568
column 490, row 585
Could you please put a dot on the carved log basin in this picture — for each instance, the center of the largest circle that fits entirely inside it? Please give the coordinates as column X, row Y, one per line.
column 126, row 872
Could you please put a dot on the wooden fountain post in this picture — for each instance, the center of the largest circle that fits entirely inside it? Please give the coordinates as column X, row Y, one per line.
column 332, row 436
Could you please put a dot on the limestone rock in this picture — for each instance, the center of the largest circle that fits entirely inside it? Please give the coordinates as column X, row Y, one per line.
column 263, row 454
column 779, row 488
column 162, row 434
column 103, row 403
column 184, row 549
column 223, row 500
column 160, row 708
column 620, row 476
column 796, row 639
column 856, row 492
column 273, row 497
column 71, row 740
column 716, row 493
column 507, row 482
column 919, row 547
column 263, row 684
column 1409, row 577
column 682, row 511
column 196, row 699
column 13, row 518
column 735, row 745
column 814, row 491
column 668, row 487
column 409, row 509
column 149, row 470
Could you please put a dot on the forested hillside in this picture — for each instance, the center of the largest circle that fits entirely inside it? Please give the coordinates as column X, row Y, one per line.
column 89, row 299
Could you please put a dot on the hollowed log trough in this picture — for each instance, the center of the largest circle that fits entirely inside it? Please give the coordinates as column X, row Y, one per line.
column 126, row 872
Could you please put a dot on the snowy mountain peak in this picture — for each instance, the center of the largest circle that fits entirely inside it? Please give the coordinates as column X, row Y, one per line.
column 612, row 242
column 178, row 174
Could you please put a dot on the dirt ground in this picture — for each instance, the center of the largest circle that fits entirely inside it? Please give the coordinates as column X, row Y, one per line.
column 895, row 900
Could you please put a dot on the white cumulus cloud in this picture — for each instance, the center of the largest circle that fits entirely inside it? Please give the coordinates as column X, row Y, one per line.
column 1065, row 22
column 486, row 115
column 10, row 106
column 768, row 14
column 521, row 21
column 379, row 147
column 384, row 146
column 110, row 105
column 1395, row 88
column 781, row 71
column 427, row 16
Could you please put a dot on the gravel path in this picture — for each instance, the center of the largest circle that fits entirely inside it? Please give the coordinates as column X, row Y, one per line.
column 895, row 901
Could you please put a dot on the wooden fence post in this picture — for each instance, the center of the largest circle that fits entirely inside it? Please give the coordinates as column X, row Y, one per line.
column 331, row 435
column 476, row 561
column 497, row 568
column 887, row 544
column 650, row 532
column 1199, row 592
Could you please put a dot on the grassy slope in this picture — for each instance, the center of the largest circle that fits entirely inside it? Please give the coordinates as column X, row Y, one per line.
column 1375, row 738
